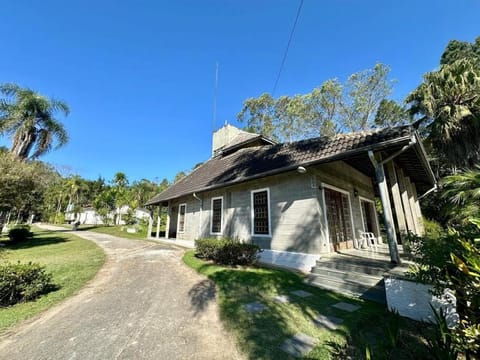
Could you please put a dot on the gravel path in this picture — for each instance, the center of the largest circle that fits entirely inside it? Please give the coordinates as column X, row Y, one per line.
column 143, row 304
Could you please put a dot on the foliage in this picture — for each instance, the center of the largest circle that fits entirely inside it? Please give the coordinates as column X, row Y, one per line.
column 452, row 261
column 433, row 229
column 19, row 233
column 226, row 251
column 442, row 342
column 104, row 204
column 390, row 113
column 260, row 335
column 457, row 50
column 462, row 192
column 23, row 185
column 71, row 261
column 448, row 106
column 23, row 282
column 30, row 119
column 329, row 108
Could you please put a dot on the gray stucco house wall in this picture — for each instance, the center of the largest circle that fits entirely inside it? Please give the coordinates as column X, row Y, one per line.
column 317, row 191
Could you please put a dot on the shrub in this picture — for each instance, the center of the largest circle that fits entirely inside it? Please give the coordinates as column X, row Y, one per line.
column 226, row 251
column 23, row 282
column 433, row 229
column 20, row 233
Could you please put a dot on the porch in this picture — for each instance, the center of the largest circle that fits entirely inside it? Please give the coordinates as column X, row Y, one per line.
column 357, row 272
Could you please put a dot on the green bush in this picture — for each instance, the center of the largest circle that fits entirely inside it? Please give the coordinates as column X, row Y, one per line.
column 226, row 251
column 23, row 282
column 433, row 229
column 20, row 233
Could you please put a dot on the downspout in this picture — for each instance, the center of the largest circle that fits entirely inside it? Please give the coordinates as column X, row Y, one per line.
column 412, row 142
column 434, row 188
column 201, row 210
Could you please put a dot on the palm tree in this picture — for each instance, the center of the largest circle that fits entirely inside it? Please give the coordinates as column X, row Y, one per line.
column 448, row 103
column 462, row 191
column 28, row 118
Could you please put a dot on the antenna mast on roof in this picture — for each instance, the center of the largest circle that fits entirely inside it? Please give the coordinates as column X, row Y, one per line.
column 215, row 98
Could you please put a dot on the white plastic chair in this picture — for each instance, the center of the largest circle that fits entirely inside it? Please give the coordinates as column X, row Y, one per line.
column 368, row 239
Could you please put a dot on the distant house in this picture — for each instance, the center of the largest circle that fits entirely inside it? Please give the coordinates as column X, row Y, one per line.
column 89, row 216
column 303, row 199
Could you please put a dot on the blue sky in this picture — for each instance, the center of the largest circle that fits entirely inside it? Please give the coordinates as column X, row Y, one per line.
column 139, row 75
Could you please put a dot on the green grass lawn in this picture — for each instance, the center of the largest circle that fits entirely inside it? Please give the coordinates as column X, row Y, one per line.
column 71, row 261
column 260, row 335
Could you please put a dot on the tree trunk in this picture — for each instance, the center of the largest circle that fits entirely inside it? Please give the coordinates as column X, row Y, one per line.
column 23, row 143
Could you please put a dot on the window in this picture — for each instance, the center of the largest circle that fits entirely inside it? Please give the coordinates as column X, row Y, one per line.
column 182, row 209
column 216, row 219
column 260, row 212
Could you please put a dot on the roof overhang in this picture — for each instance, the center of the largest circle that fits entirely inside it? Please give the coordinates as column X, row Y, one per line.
column 389, row 147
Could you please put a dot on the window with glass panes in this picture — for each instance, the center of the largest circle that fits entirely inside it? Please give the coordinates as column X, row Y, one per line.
column 260, row 213
column 182, row 209
column 217, row 216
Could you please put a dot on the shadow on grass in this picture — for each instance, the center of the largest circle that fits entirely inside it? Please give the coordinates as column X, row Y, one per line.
column 262, row 333
column 33, row 242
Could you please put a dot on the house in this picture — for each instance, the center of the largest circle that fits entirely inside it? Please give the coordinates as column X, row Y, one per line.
column 303, row 199
column 89, row 216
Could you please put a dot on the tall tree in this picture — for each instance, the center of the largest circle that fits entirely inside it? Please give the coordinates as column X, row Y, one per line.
column 259, row 114
column 362, row 94
column 457, row 50
column 29, row 118
column 329, row 108
column 462, row 190
column 23, row 185
column 391, row 113
column 448, row 106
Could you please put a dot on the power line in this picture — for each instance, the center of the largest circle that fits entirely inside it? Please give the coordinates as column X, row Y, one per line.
column 288, row 47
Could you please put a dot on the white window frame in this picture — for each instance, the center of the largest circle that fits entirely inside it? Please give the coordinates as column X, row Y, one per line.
column 252, row 213
column 334, row 188
column 211, row 216
column 360, row 199
column 184, row 220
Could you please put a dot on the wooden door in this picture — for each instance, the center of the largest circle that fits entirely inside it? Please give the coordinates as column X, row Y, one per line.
column 339, row 219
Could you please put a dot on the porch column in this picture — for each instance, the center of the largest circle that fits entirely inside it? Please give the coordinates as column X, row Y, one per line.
column 406, row 202
column 412, row 206
column 387, row 209
column 159, row 217
column 167, row 225
column 418, row 210
column 150, row 225
column 397, row 201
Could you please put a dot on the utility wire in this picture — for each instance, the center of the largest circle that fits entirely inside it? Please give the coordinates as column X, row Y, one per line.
column 288, row 47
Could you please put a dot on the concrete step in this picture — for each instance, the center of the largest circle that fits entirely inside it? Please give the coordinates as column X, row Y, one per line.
column 374, row 292
column 371, row 295
column 357, row 277
column 348, row 264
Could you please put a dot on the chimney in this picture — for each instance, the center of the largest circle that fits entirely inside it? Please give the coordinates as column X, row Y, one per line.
column 223, row 137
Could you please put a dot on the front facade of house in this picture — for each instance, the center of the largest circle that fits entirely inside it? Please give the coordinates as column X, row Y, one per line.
column 295, row 201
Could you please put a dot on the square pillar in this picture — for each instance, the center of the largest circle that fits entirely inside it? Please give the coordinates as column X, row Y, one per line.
column 387, row 209
column 397, row 201
column 402, row 181
column 159, row 219
column 167, row 225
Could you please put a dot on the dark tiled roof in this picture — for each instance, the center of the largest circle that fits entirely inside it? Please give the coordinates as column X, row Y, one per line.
column 253, row 162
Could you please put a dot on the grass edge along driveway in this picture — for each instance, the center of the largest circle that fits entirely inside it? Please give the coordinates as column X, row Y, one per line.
column 261, row 334
column 72, row 261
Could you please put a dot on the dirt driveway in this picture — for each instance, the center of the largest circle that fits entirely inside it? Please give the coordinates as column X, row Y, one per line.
column 143, row 304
